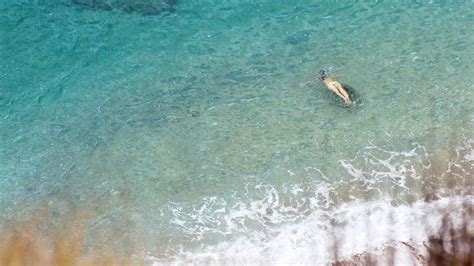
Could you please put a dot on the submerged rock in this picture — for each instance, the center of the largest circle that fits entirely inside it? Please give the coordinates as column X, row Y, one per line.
column 298, row 37
column 144, row 7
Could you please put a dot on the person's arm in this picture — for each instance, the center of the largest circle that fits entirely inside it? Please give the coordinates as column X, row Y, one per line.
column 309, row 82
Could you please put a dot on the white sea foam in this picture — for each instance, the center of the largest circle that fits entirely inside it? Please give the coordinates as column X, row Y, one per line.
column 299, row 225
column 357, row 227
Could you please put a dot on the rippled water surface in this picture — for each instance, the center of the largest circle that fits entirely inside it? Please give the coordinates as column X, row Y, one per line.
column 203, row 124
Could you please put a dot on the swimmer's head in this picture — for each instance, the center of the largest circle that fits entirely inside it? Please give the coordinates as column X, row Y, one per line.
column 323, row 74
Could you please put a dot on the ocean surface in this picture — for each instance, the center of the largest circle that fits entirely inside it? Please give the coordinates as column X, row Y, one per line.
column 201, row 131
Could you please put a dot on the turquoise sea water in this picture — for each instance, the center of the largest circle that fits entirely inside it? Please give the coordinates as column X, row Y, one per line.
column 200, row 126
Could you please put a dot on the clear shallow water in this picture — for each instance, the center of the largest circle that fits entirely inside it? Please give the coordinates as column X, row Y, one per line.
column 196, row 127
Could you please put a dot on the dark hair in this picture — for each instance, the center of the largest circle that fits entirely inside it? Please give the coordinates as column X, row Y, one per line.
column 323, row 74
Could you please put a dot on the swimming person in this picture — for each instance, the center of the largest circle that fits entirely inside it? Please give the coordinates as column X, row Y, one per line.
column 335, row 86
